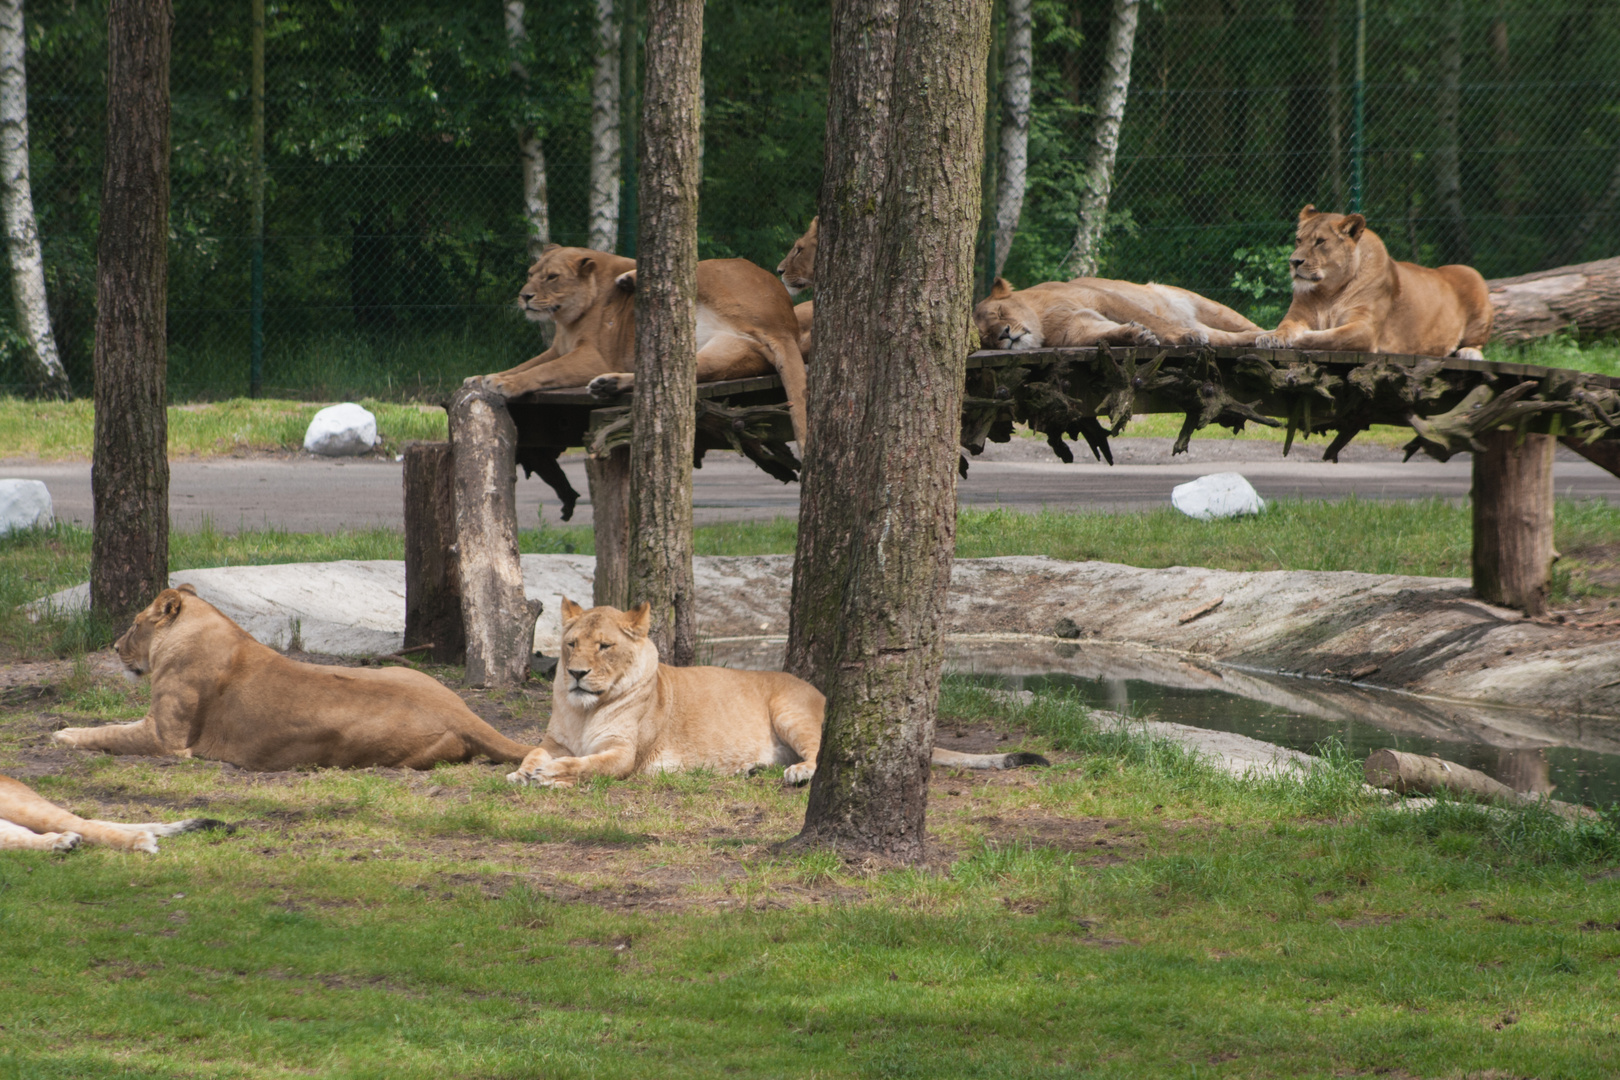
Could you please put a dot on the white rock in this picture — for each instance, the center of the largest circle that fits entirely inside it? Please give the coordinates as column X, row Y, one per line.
column 24, row 504
column 341, row 431
column 1218, row 495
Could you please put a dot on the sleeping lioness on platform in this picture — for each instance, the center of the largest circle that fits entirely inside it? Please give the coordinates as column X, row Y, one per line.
column 1349, row 295
column 745, row 327
column 219, row 694
column 616, row 711
column 31, row 822
column 1082, row 312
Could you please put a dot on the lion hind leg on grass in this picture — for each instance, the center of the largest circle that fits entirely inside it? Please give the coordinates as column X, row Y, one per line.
column 16, row 838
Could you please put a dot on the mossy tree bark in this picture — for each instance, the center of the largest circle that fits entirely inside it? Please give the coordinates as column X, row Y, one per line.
column 877, row 520
column 664, row 408
column 129, row 561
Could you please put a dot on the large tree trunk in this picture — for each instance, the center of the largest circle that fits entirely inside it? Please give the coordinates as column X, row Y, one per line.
column 604, row 194
column 1448, row 116
column 664, row 408
column 881, row 467
column 17, row 200
column 536, row 205
column 1015, row 89
column 1584, row 297
column 1099, row 167
column 1513, row 519
column 129, row 479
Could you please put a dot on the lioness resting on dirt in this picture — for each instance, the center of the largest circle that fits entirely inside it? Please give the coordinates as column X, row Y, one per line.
column 29, row 821
column 616, row 711
column 798, row 273
column 219, row 694
column 745, row 327
column 1350, row 295
column 1085, row 311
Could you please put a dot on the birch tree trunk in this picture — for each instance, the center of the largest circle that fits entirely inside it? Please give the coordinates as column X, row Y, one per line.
column 129, row 476
column 605, row 120
column 16, row 194
column 664, row 407
column 881, row 469
column 1448, row 110
column 1099, row 168
column 1015, row 87
column 536, row 204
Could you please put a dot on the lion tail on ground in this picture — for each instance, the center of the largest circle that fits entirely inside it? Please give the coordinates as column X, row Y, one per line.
column 495, row 746
column 175, row 828
column 956, row 760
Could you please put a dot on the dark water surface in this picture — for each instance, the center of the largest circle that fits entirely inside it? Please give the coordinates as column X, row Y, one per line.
column 1575, row 757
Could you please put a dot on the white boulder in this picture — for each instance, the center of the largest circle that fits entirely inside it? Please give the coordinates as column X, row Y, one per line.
column 23, row 505
column 1218, row 495
column 341, row 431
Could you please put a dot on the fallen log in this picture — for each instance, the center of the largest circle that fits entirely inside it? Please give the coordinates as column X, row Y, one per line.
column 1415, row 774
column 1585, row 296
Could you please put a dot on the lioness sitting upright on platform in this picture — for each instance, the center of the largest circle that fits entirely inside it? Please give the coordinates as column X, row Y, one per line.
column 745, row 326
column 798, row 273
column 219, row 694
column 1351, row 296
column 1084, row 311
column 616, row 711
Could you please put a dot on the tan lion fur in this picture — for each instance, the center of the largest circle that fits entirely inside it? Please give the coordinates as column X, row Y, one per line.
column 798, row 273
column 219, row 694
column 29, row 821
column 745, row 326
column 1351, row 296
column 616, row 711
column 1082, row 312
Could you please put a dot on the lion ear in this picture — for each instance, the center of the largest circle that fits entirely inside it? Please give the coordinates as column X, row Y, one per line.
column 570, row 610
column 586, row 267
column 188, row 587
column 815, row 223
column 549, row 248
column 169, row 603
column 1000, row 289
column 638, row 620
column 1309, row 211
column 1353, row 226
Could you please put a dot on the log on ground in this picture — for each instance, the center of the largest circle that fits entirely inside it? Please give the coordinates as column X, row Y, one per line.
column 1415, row 774
column 1584, row 296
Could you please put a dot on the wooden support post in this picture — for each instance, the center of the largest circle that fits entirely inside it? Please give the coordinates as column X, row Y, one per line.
column 1513, row 519
column 432, row 576
column 499, row 621
column 609, row 478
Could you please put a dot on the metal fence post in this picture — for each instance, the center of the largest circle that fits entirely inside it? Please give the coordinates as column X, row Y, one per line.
column 1359, row 136
column 256, row 324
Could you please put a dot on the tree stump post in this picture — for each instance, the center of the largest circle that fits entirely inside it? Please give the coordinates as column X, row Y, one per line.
column 432, row 573
column 1513, row 519
column 498, row 620
column 609, row 478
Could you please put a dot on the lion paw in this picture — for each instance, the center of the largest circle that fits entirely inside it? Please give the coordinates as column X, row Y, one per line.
column 67, row 736
column 144, row 841
column 63, row 841
column 610, row 386
column 1193, row 339
column 1143, row 335
column 1271, row 341
column 490, row 383
column 799, row 774
column 1468, row 352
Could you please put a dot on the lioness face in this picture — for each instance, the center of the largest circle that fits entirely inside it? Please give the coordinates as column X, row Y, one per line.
column 1327, row 251
column 600, row 647
column 798, row 270
column 135, row 646
column 561, row 285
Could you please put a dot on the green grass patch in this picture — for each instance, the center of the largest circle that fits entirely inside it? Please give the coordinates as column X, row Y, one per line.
column 1129, row 912
column 1422, row 537
column 55, row 430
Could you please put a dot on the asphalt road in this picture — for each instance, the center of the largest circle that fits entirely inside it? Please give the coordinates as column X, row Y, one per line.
column 306, row 494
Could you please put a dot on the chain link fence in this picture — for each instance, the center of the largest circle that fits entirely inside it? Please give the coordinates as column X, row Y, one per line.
column 395, row 233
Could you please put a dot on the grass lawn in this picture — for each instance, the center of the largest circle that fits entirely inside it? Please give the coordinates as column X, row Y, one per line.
column 1429, row 538
column 1129, row 912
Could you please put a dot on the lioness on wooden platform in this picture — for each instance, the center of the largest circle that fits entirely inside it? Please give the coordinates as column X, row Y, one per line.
column 219, row 694
column 1085, row 311
column 798, row 272
column 745, row 327
column 29, row 821
column 1350, row 295
column 616, row 711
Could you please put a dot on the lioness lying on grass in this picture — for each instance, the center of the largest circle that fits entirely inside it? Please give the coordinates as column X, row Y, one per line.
column 31, row 822
column 616, row 711
column 219, row 694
